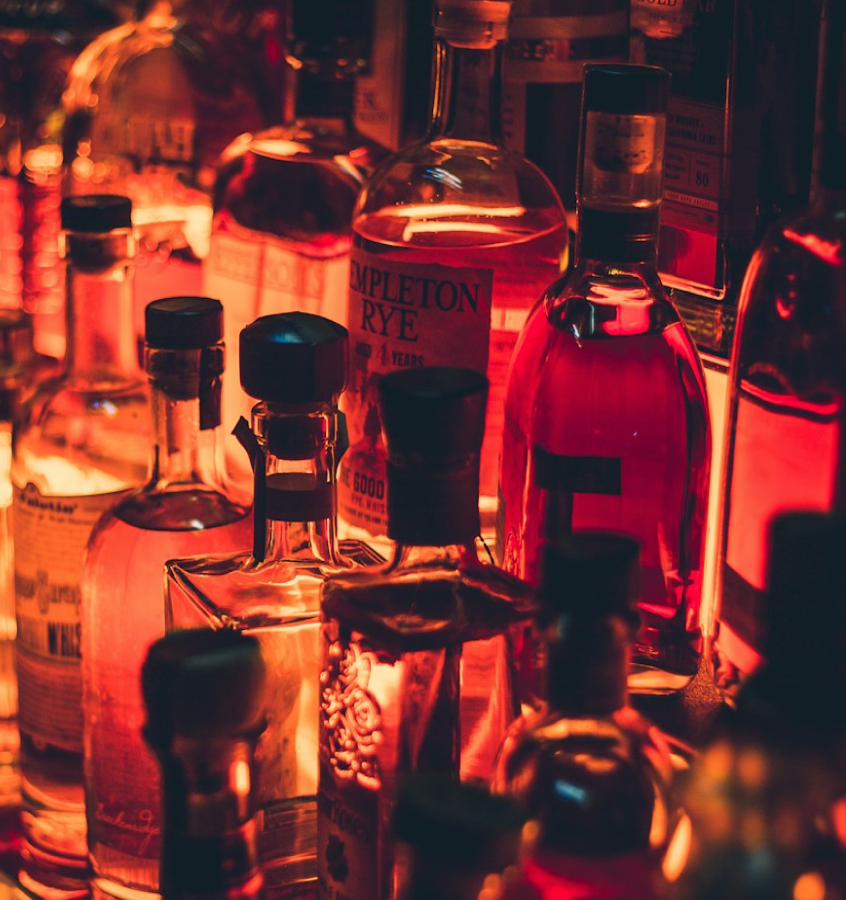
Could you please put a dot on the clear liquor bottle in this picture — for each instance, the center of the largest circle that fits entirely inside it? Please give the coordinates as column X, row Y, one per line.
column 186, row 506
column 765, row 796
column 416, row 657
column 606, row 418
column 593, row 775
column 149, row 108
column 788, row 383
column 454, row 239
column 79, row 442
column 284, row 197
column 203, row 693
column 295, row 365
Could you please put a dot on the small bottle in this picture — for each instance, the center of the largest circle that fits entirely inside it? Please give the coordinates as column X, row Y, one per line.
column 762, row 796
column 284, row 197
column 186, row 506
column 454, row 841
column 592, row 773
column 295, row 365
column 788, row 384
column 454, row 239
column 79, row 442
column 416, row 669
column 606, row 418
column 203, row 692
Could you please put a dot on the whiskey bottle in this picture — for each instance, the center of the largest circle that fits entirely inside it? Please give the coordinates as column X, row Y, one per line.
column 763, row 796
column 78, row 443
column 416, row 656
column 151, row 105
column 203, row 693
column 295, row 365
column 186, row 506
column 284, row 197
column 788, row 382
column 606, row 418
column 593, row 774
column 454, row 239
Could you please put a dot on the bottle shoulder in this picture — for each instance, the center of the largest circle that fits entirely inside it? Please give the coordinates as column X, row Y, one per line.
column 183, row 507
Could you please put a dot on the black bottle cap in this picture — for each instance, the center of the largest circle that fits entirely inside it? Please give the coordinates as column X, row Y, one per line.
column 294, row 357
column 453, row 822
column 593, row 573
column 201, row 683
column 15, row 339
column 183, row 323
column 96, row 213
column 625, row 89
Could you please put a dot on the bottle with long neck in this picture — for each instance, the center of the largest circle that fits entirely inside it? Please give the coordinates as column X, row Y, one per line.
column 787, row 403
column 203, row 693
column 80, row 440
column 455, row 238
column 606, row 418
column 187, row 505
column 295, row 365
column 416, row 656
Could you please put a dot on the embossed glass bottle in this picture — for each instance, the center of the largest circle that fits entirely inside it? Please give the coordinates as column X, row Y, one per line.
column 186, row 506
column 455, row 238
column 203, row 692
column 295, row 365
column 80, row 440
column 416, row 656
column 593, row 774
column 284, row 197
column 606, row 419
column 787, row 404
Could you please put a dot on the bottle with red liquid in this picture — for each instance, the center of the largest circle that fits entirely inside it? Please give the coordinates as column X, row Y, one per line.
column 454, row 239
column 187, row 506
column 606, row 418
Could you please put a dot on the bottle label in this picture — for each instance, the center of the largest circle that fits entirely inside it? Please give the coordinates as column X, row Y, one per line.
column 50, row 536
column 785, row 457
column 402, row 314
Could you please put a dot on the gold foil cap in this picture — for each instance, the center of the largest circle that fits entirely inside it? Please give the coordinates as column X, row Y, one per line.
column 474, row 24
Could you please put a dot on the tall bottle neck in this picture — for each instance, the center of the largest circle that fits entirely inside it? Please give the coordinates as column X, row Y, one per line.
column 295, row 456
column 99, row 315
column 830, row 149
column 185, row 394
column 325, row 99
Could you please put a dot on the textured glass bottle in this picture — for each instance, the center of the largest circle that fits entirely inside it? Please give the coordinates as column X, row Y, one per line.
column 81, row 440
column 593, row 774
column 454, row 240
column 284, row 197
column 787, row 405
column 152, row 104
column 203, row 692
column 416, row 656
column 765, row 797
column 606, row 420
column 295, row 365
column 186, row 506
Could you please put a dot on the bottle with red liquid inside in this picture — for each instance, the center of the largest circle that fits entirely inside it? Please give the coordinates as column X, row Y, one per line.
column 606, row 419
column 454, row 239
column 787, row 409
column 187, row 506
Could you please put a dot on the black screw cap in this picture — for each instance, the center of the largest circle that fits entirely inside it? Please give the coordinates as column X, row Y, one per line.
column 96, row 213
column 625, row 89
column 183, row 323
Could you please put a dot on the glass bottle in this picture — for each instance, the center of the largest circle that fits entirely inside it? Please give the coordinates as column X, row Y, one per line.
column 788, row 387
column 416, row 656
column 592, row 773
column 186, row 506
column 151, row 105
column 79, row 441
column 765, row 794
column 284, row 197
column 203, row 693
column 606, row 418
column 295, row 365
column 454, row 239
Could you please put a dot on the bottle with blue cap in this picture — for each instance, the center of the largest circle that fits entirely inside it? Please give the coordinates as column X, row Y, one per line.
column 295, row 366
column 186, row 506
